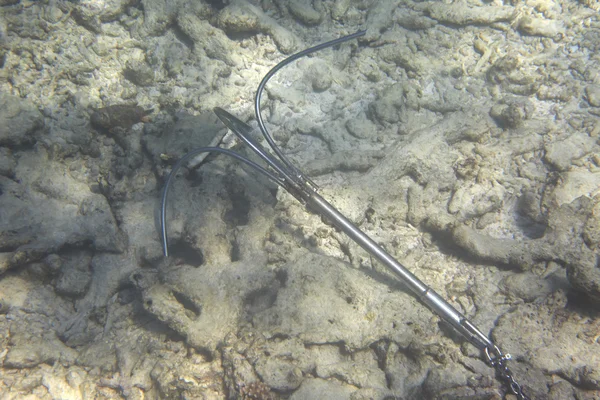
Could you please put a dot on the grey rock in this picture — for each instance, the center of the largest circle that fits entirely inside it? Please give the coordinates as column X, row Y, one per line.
column 510, row 73
column 552, row 340
column 110, row 272
column 191, row 300
column 527, row 286
column 140, row 74
column 43, row 215
column 320, row 76
column 561, row 390
column 158, row 14
column 591, row 230
column 412, row 20
column 462, row 14
column 304, row 12
column 592, row 95
column 361, row 128
column 584, row 274
column 20, row 121
column 561, row 153
column 339, row 8
column 385, row 108
column 34, row 341
column 440, row 379
column 512, row 114
column 241, row 16
column 539, row 27
column 7, row 162
column 341, row 314
column 74, row 274
column 208, row 39
column 319, row 388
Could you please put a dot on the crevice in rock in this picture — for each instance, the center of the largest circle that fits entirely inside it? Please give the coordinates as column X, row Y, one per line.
column 193, row 310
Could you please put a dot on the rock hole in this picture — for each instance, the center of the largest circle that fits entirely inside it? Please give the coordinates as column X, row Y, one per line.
column 193, row 311
column 186, row 253
column 137, row 277
column 282, row 276
column 234, row 254
column 240, row 208
column 182, row 37
column 218, row 4
column 261, row 300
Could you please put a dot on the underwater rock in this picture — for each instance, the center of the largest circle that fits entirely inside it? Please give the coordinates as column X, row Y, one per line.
column 304, row 12
column 20, row 121
column 592, row 95
column 591, row 230
column 33, row 342
column 315, row 388
column 208, row 39
column 386, row 107
column 584, row 275
column 110, row 272
column 74, row 274
column 118, row 116
column 539, row 27
column 49, row 210
column 560, row 153
column 512, row 74
column 576, row 182
column 475, row 200
column 512, row 114
column 339, row 8
column 139, row 73
column 345, row 161
column 361, row 127
column 554, row 338
column 320, row 76
column 440, row 379
column 7, row 162
column 309, row 313
column 527, row 286
column 325, row 301
column 462, row 14
column 241, row 16
column 91, row 14
column 205, row 304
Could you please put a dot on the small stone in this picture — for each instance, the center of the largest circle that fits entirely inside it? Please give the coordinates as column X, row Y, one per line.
column 592, row 95
column 304, row 12
column 140, row 74
column 511, row 115
column 7, row 162
column 320, row 77
column 538, row 27
column 361, row 128
column 118, row 116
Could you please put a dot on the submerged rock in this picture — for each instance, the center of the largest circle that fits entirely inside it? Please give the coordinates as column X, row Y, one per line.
column 118, row 116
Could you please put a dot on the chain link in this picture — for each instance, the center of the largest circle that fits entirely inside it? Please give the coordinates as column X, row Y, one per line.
column 498, row 360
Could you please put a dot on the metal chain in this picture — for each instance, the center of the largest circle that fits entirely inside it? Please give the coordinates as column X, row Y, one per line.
column 498, row 360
